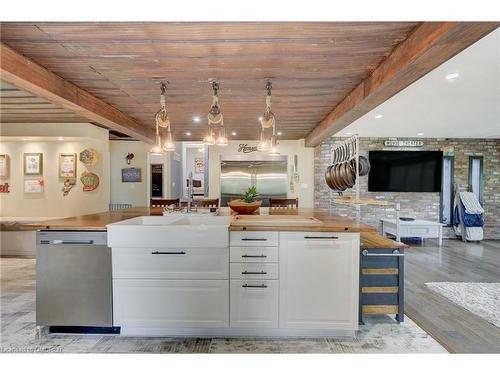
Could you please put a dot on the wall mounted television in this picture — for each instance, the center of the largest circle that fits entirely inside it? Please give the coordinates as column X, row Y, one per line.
column 405, row 171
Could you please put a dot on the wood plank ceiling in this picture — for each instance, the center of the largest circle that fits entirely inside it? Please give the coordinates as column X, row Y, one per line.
column 313, row 66
column 21, row 106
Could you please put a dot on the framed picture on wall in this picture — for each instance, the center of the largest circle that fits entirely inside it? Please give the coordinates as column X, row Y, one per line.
column 4, row 166
column 33, row 186
column 199, row 165
column 67, row 165
column 33, row 164
column 131, row 175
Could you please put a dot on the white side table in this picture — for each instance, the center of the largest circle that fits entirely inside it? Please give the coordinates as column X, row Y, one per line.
column 417, row 228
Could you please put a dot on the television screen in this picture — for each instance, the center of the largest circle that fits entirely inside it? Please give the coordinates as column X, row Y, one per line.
column 405, row 171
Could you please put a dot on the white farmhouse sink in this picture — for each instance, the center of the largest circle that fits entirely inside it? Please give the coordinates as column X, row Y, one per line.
column 170, row 232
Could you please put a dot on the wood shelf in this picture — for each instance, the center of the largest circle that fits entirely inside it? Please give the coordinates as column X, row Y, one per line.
column 361, row 201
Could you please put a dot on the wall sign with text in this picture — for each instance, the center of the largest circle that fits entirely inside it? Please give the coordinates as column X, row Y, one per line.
column 246, row 149
column 403, row 143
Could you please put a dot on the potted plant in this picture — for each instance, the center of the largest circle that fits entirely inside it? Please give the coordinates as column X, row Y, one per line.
column 248, row 204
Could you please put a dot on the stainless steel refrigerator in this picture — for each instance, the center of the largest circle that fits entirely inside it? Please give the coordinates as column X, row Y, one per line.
column 267, row 172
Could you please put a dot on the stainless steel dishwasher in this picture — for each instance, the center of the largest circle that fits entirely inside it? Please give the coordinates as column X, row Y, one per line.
column 74, row 282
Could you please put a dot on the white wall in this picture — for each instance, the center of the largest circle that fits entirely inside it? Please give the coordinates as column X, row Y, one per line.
column 51, row 140
column 134, row 193
column 304, row 189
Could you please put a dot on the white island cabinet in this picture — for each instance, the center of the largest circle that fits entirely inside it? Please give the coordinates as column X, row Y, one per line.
column 170, row 276
column 319, row 278
column 270, row 283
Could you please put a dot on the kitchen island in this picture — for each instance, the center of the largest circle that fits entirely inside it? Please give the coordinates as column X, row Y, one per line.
column 196, row 276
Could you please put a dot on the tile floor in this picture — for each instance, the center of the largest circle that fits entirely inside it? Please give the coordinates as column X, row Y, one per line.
column 17, row 305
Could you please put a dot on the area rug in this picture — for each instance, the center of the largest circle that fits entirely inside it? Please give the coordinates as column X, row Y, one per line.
column 481, row 299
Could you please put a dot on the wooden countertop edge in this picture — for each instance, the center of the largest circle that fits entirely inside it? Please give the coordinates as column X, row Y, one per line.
column 323, row 228
column 99, row 221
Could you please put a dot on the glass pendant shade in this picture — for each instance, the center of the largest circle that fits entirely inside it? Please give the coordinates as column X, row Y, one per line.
column 209, row 139
column 169, row 144
column 274, row 148
column 222, row 139
column 157, row 148
column 264, row 142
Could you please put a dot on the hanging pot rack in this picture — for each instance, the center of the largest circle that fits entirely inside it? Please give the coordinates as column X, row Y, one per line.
column 347, row 151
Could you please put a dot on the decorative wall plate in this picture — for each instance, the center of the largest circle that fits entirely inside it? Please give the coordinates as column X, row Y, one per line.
column 89, row 157
column 5, row 188
column 67, row 186
column 90, row 181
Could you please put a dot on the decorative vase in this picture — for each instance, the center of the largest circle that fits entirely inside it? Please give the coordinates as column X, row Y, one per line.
column 242, row 207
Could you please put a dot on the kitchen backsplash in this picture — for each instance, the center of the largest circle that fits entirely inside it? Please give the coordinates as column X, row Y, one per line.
column 418, row 205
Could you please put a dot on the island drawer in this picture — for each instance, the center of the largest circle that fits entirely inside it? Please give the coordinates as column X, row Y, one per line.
column 170, row 303
column 253, row 254
column 318, row 236
column 253, row 271
column 146, row 263
column 248, row 238
column 254, row 303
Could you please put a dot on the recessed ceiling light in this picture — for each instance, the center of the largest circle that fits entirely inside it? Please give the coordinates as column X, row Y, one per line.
column 196, row 119
column 348, row 133
column 451, row 76
column 279, row 133
column 379, row 116
column 420, row 134
column 233, row 133
column 260, row 118
column 188, row 134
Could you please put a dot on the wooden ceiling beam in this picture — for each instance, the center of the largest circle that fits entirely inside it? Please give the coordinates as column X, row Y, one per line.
column 26, row 74
column 428, row 46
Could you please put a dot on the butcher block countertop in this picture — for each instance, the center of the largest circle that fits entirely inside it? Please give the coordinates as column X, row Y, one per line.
column 323, row 220
column 371, row 240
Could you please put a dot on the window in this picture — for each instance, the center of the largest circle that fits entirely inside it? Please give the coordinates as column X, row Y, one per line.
column 476, row 176
column 447, row 191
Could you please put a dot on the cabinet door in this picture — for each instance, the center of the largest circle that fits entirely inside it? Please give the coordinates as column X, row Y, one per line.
column 319, row 281
column 170, row 303
column 254, row 303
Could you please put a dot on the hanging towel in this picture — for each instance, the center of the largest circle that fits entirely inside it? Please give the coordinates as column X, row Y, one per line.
column 469, row 220
column 470, row 202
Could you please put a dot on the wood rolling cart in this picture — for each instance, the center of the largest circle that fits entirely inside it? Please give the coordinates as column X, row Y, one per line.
column 381, row 279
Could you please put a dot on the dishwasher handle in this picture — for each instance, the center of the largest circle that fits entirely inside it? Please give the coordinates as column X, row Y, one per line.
column 66, row 242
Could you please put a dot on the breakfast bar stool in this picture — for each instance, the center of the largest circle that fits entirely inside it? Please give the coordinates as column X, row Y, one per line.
column 163, row 202
column 206, row 203
column 283, row 203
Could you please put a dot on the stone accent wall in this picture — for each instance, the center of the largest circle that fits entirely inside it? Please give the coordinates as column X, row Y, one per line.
column 418, row 205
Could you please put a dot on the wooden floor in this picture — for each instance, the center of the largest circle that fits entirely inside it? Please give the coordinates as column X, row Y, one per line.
column 457, row 329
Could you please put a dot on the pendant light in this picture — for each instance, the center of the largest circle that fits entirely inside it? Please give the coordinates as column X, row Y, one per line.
column 162, row 121
column 268, row 121
column 215, row 121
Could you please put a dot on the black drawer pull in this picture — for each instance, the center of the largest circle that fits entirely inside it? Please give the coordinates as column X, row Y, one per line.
column 254, row 273
column 254, row 286
column 395, row 253
column 254, row 256
column 254, row 239
column 168, row 252
column 321, row 238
